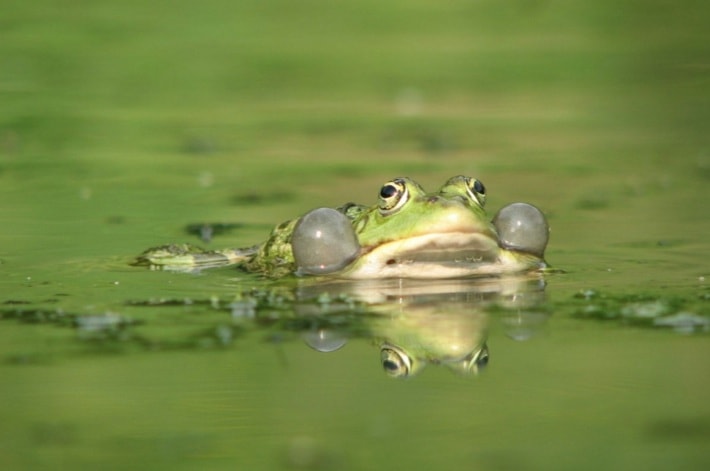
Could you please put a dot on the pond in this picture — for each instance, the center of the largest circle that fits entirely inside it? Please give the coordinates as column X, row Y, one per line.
column 130, row 126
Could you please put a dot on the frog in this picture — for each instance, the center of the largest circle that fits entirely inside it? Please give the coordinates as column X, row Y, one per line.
column 407, row 233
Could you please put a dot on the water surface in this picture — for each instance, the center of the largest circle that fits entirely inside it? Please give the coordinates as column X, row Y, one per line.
column 125, row 124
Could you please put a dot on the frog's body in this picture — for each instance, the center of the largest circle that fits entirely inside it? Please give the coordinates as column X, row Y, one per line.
column 410, row 233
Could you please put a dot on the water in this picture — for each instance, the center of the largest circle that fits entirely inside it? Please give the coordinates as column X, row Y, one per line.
column 122, row 126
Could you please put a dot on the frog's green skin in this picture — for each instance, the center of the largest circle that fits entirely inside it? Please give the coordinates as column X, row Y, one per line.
column 409, row 233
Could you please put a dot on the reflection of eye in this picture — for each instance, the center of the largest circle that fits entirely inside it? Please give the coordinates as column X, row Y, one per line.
column 482, row 359
column 395, row 362
column 391, row 366
column 392, row 196
column 477, row 361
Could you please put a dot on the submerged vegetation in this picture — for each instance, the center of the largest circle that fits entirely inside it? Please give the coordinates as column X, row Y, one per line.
column 682, row 314
column 280, row 312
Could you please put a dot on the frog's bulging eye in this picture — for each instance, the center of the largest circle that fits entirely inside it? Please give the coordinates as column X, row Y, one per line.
column 393, row 195
column 395, row 362
column 476, row 190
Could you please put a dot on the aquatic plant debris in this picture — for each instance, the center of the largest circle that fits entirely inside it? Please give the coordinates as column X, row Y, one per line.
column 684, row 323
column 684, row 315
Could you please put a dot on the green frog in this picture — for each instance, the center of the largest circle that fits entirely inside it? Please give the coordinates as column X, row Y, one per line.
column 409, row 233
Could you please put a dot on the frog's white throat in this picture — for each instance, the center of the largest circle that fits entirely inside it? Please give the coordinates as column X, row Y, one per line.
column 437, row 255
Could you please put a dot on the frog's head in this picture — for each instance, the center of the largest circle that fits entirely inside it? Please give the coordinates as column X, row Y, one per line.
column 413, row 233
column 408, row 233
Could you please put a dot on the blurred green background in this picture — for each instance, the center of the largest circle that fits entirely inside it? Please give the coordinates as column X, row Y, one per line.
column 127, row 83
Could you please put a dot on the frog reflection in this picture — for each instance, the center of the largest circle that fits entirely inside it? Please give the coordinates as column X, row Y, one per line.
column 415, row 324
column 405, row 359
column 400, row 364
column 456, row 340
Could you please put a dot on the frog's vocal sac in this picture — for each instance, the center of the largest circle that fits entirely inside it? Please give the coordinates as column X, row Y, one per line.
column 408, row 233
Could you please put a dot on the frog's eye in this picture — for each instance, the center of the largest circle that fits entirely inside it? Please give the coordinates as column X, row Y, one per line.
column 393, row 195
column 395, row 362
column 476, row 190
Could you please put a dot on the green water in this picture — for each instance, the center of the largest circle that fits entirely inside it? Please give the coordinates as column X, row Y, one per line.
column 122, row 123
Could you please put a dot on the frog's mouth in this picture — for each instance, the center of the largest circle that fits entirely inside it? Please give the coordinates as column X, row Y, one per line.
column 432, row 255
